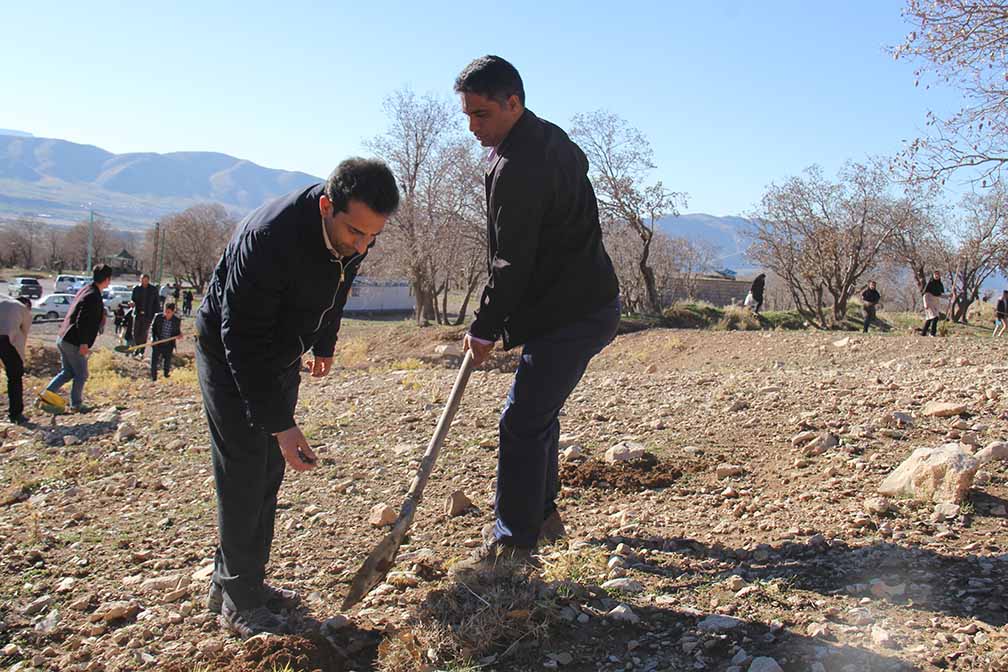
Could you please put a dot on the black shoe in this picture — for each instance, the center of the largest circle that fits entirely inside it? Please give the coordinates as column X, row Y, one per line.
column 250, row 622
column 275, row 598
column 20, row 420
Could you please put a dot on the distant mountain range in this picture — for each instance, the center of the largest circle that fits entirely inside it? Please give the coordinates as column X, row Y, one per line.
column 57, row 179
column 729, row 235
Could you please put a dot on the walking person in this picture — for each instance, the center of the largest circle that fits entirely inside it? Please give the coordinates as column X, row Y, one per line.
column 1001, row 314
column 870, row 299
column 933, row 292
column 251, row 339
column 542, row 217
column 77, row 335
column 145, row 307
column 187, row 299
column 756, row 290
column 165, row 325
column 15, row 321
column 127, row 324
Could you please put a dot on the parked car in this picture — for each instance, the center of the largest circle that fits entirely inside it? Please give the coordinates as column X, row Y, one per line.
column 65, row 282
column 30, row 287
column 52, row 307
column 113, row 297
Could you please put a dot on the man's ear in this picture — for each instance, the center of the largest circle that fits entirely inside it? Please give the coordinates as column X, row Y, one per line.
column 514, row 104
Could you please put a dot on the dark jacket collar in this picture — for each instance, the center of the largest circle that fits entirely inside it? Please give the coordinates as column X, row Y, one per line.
column 311, row 233
column 519, row 133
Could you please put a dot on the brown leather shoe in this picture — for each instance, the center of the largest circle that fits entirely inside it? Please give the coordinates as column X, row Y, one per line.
column 494, row 556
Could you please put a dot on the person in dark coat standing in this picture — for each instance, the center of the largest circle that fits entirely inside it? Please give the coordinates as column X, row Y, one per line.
column 757, row 288
column 551, row 289
column 127, row 324
column 77, row 335
column 165, row 325
column 145, row 306
column 870, row 299
column 15, row 321
column 1001, row 314
column 933, row 292
column 187, row 299
column 278, row 291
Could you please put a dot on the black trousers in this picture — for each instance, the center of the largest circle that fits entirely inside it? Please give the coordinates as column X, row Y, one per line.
column 527, row 464
column 248, row 470
column 141, row 325
column 15, row 376
column 869, row 316
column 161, row 353
column 931, row 325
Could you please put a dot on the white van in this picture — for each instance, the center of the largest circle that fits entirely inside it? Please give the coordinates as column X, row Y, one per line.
column 65, row 282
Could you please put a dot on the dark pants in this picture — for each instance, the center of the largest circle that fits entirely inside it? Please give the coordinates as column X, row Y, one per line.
column 161, row 353
column 527, row 466
column 869, row 317
column 248, row 470
column 15, row 373
column 759, row 306
column 931, row 325
column 141, row 325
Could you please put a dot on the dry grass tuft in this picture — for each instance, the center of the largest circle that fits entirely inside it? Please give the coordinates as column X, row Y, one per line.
column 352, row 352
column 479, row 618
column 737, row 318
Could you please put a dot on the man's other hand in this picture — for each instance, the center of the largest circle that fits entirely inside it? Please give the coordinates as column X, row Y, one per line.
column 480, row 349
column 295, row 449
column 319, row 366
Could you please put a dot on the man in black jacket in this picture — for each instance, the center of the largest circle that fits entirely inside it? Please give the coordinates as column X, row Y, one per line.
column 551, row 289
column 165, row 325
column 277, row 292
column 870, row 299
column 145, row 306
column 77, row 335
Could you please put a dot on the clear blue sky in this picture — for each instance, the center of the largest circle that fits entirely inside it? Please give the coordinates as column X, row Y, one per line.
column 732, row 95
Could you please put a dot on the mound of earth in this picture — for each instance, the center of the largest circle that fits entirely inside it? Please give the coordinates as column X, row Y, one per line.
column 644, row 473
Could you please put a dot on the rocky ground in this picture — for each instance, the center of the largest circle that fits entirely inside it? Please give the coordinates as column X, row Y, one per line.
column 748, row 536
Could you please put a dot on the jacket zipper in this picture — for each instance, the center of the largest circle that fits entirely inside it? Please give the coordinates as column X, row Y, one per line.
column 342, row 277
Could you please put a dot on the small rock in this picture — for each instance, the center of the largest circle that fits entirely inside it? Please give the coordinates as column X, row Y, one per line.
column 37, row 605
column 719, row 623
column 881, row 637
column 945, row 511
column 623, row 613
column 110, row 611
column 382, row 515
column 624, row 452
column 571, row 453
column 125, row 432
column 940, row 409
column 70, row 440
column 624, row 585
column 725, row 470
column 765, row 664
column 337, row 622
column 456, row 504
column 210, row 646
column 877, row 505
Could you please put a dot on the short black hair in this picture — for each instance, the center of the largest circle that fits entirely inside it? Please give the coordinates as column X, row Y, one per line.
column 493, row 77
column 170, row 305
column 26, row 302
column 101, row 273
column 366, row 180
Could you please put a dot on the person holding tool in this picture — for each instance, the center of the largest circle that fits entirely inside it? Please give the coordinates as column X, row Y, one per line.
column 551, row 289
column 166, row 327
column 278, row 291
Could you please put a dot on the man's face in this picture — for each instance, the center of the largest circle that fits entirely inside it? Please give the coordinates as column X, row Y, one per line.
column 871, row 285
column 168, row 312
column 352, row 231
column 489, row 120
column 144, row 280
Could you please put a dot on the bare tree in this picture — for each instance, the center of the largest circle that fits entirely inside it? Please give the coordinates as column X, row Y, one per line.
column 75, row 243
column 621, row 162
column 423, row 147
column 920, row 244
column 982, row 248
column 962, row 43
column 194, row 240
column 821, row 237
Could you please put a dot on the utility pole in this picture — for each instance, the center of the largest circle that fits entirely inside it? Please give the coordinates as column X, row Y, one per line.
column 90, row 241
column 161, row 246
column 157, row 242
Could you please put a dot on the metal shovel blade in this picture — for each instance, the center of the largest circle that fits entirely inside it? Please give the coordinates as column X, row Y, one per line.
column 377, row 565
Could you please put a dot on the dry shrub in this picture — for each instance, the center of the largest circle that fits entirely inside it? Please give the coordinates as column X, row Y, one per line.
column 108, row 373
column 408, row 364
column 480, row 617
column 738, row 318
column 352, row 352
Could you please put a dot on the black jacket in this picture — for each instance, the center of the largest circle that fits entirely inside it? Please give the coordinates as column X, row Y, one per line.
column 84, row 318
column 871, row 296
column 546, row 262
column 757, row 288
column 145, row 301
column 1002, row 308
column 935, row 287
column 276, row 293
column 157, row 326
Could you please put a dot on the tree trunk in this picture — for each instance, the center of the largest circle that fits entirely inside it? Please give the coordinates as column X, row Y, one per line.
column 465, row 301
column 647, row 273
column 444, row 304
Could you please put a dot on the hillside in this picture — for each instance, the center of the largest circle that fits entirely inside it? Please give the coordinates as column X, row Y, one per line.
column 55, row 179
column 729, row 235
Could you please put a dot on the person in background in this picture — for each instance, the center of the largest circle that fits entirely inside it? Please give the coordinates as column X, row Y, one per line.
column 127, row 324
column 15, row 321
column 870, row 299
column 1001, row 314
column 145, row 307
column 165, row 325
column 933, row 292
column 119, row 313
column 187, row 299
column 77, row 335
column 757, row 289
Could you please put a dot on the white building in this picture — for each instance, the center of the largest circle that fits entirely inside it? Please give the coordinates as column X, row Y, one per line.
column 369, row 295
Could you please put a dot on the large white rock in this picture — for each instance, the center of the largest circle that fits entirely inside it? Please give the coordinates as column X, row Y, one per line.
column 942, row 474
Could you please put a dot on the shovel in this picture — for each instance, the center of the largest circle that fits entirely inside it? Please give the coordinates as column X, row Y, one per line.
column 130, row 348
column 382, row 558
